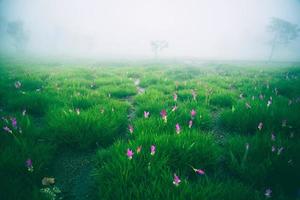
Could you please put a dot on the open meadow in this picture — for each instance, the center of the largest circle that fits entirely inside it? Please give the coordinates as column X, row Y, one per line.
column 149, row 130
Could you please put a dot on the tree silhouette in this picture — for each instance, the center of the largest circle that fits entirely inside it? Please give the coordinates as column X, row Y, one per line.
column 16, row 31
column 283, row 33
column 158, row 45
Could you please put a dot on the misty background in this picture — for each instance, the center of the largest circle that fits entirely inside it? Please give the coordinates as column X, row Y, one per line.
column 204, row 29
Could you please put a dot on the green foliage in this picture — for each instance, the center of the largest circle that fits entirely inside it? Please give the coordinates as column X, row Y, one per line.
column 71, row 107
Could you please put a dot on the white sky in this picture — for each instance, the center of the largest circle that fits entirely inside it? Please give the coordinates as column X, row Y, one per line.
column 210, row 29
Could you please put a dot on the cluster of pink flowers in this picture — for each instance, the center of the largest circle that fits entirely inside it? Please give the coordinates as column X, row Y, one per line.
column 14, row 125
column 130, row 152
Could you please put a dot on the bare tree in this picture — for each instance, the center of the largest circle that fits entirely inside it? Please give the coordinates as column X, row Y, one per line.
column 158, row 45
column 16, row 31
column 283, row 33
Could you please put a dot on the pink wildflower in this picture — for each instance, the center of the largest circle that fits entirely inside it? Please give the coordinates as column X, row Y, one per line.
column 190, row 123
column 129, row 154
column 193, row 113
column 130, row 128
column 29, row 165
column 163, row 114
column 177, row 128
column 175, row 96
column 14, row 122
column 146, row 114
column 176, row 180
column 174, row 108
column 199, row 171
column 7, row 129
column 153, row 149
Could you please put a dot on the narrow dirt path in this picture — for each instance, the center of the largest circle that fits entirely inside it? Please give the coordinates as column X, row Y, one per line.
column 72, row 169
column 130, row 99
column 72, row 172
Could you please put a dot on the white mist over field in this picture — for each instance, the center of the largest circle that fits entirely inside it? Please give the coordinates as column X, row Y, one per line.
column 205, row 29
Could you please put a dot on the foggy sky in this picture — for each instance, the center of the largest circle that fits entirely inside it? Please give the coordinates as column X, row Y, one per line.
column 207, row 29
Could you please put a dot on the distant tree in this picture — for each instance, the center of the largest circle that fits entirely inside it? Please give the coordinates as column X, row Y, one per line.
column 283, row 33
column 158, row 45
column 16, row 31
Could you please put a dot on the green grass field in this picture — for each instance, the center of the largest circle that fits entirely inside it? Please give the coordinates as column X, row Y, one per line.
column 149, row 131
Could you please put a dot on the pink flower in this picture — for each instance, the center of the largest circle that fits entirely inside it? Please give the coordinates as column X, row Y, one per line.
column 198, row 171
column 14, row 122
column 29, row 165
column 130, row 128
column 163, row 114
column 177, row 128
column 176, row 180
column 139, row 149
column 153, row 149
column 268, row 193
column 190, row 124
column 260, row 126
column 7, row 129
column 146, row 114
column 193, row 113
column 174, row 108
column 129, row 154
column 175, row 96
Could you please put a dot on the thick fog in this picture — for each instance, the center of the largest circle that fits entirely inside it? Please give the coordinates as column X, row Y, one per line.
column 205, row 29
